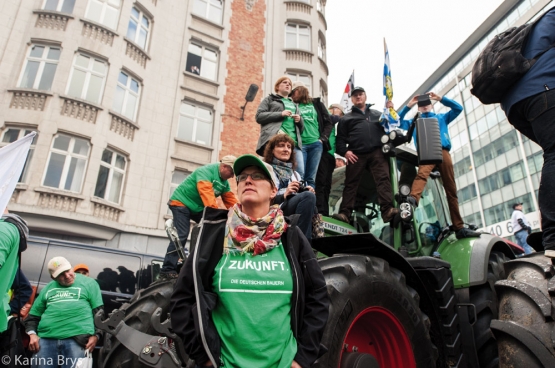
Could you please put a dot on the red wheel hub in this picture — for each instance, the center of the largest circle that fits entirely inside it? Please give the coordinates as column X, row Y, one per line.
column 378, row 332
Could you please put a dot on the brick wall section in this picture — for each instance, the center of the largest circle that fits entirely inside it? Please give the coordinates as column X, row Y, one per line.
column 245, row 66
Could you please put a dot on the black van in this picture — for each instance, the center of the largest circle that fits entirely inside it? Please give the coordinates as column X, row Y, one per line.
column 119, row 273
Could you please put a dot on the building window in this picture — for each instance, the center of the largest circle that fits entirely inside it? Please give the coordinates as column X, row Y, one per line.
column 321, row 49
column 195, row 124
column 139, row 26
column 87, row 78
column 323, row 96
column 67, row 163
column 177, row 178
column 297, row 36
column 305, row 78
column 320, row 7
column 13, row 134
column 127, row 96
column 110, row 176
column 202, row 61
column 40, row 67
column 104, row 12
column 64, row 6
column 209, row 9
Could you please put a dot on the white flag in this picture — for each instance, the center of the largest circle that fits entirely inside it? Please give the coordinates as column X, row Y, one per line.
column 12, row 160
column 346, row 98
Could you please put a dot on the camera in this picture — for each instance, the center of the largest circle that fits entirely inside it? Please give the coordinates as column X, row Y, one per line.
column 302, row 186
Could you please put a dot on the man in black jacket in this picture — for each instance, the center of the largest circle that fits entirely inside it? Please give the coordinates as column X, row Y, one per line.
column 358, row 140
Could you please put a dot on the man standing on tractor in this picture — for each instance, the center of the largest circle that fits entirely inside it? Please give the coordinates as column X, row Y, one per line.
column 358, row 140
column 197, row 191
column 425, row 109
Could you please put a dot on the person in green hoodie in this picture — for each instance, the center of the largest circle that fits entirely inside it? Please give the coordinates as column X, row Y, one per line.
column 197, row 191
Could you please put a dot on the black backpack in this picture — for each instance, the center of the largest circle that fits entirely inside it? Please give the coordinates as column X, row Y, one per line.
column 501, row 64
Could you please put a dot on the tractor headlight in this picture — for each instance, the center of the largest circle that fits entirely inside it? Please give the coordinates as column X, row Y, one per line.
column 393, row 135
column 406, row 212
column 404, row 190
column 386, row 148
column 384, row 139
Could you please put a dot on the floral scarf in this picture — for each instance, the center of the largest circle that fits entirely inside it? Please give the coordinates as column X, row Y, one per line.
column 254, row 235
column 284, row 171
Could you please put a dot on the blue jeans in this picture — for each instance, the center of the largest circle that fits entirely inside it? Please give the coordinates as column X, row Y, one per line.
column 520, row 237
column 302, row 204
column 300, row 162
column 311, row 156
column 182, row 217
column 535, row 118
column 57, row 353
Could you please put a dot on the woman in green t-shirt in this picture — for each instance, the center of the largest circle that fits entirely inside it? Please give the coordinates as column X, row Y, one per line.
column 316, row 133
column 241, row 299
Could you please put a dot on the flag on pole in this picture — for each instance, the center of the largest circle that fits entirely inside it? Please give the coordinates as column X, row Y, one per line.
column 389, row 118
column 12, row 160
column 346, row 99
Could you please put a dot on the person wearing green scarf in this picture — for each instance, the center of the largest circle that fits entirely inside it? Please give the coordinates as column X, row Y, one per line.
column 234, row 303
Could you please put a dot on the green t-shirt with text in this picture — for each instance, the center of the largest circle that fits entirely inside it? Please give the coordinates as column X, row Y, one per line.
column 9, row 249
column 66, row 311
column 253, row 314
column 187, row 192
column 311, row 132
column 288, row 124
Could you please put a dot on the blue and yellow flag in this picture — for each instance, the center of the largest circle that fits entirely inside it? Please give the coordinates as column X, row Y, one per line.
column 389, row 118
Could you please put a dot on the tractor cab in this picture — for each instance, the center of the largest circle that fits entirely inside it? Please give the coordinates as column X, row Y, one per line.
column 420, row 232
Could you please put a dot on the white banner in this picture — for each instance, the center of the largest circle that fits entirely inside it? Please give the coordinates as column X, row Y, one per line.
column 505, row 228
column 12, row 160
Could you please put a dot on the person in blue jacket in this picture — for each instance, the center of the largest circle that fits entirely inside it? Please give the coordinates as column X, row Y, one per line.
column 530, row 108
column 425, row 109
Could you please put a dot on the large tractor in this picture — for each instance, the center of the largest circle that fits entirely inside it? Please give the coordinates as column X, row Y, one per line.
column 403, row 295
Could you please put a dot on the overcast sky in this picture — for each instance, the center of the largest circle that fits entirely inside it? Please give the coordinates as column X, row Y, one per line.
column 420, row 35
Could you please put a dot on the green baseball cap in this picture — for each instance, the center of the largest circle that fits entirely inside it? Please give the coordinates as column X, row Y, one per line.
column 245, row 161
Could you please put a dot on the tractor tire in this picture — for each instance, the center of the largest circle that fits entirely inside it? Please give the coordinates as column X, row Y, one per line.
column 137, row 315
column 373, row 312
column 525, row 330
column 484, row 298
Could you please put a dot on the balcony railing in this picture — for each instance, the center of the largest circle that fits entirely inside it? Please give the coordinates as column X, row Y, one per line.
column 52, row 19
column 298, row 55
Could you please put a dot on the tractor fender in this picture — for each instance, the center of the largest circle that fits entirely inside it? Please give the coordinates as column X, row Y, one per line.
column 367, row 244
column 469, row 258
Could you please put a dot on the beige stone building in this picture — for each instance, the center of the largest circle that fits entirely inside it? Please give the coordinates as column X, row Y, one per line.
column 128, row 97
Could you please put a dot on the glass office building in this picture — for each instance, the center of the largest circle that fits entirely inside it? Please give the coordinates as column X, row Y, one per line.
column 495, row 166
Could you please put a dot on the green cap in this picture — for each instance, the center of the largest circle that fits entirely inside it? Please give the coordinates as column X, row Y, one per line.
column 251, row 160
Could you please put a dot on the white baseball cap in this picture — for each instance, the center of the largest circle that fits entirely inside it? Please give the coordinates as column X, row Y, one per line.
column 57, row 265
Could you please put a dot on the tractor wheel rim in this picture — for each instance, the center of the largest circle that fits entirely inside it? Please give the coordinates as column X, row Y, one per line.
column 378, row 332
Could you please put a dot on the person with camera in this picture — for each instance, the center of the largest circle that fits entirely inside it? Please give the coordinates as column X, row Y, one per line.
column 521, row 228
column 251, row 294
column 293, row 196
column 425, row 108
column 358, row 140
column 277, row 113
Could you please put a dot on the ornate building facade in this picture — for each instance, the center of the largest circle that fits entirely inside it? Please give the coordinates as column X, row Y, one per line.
column 130, row 96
